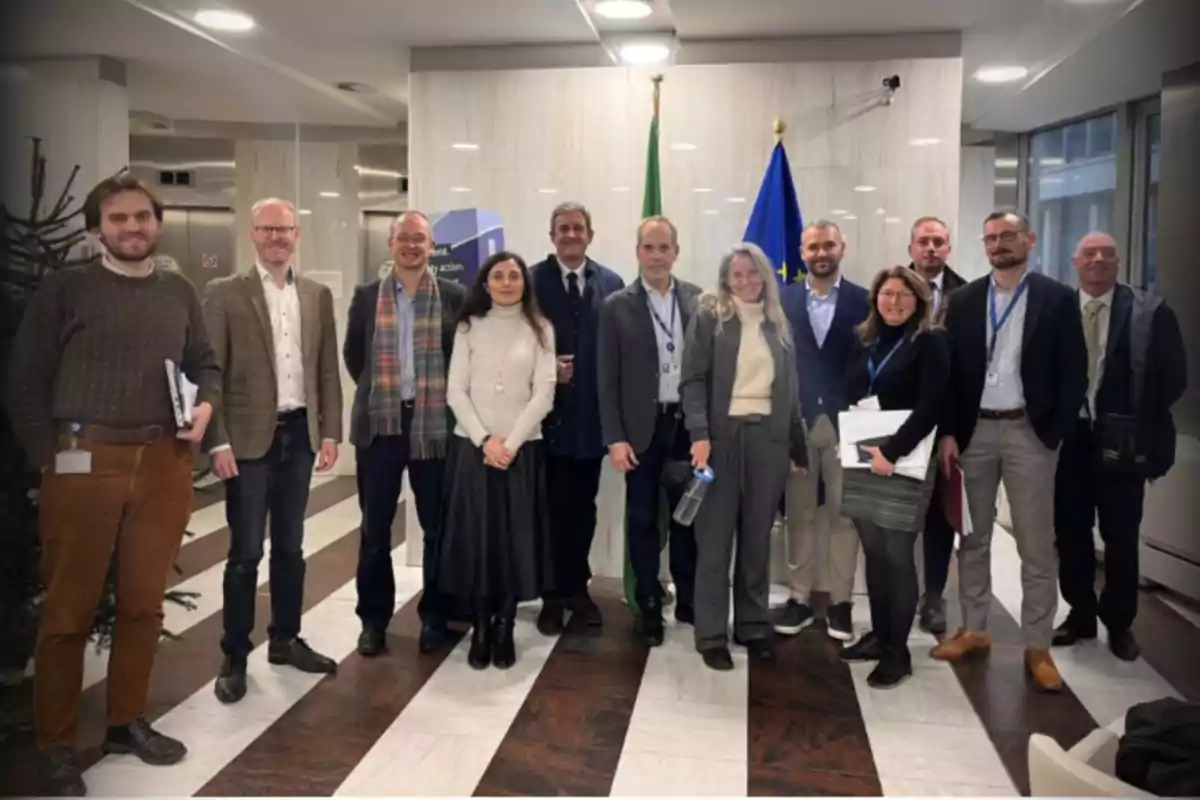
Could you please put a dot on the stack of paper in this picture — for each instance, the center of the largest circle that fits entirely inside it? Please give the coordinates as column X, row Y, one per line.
column 183, row 395
column 867, row 426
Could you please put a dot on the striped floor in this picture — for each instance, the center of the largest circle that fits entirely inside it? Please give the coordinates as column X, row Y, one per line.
column 592, row 715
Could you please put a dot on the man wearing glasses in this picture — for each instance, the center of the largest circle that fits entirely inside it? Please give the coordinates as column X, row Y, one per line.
column 281, row 411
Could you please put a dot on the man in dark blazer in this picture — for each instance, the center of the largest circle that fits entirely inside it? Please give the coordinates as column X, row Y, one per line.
column 1133, row 341
column 1018, row 370
column 417, row 403
column 823, row 309
column 640, row 359
column 929, row 248
column 273, row 333
column 570, row 290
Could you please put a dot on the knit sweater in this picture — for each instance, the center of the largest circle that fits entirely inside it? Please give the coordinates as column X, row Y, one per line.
column 501, row 381
column 755, row 370
column 92, row 348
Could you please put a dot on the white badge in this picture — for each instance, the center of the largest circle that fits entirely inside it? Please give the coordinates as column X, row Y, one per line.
column 73, row 462
column 992, row 379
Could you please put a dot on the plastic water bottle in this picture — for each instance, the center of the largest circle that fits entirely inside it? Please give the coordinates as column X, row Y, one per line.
column 689, row 505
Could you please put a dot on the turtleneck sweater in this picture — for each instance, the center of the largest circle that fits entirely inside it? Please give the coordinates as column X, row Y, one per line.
column 501, row 381
column 754, row 373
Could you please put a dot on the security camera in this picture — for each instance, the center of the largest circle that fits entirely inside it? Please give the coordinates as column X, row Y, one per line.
column 891, row 83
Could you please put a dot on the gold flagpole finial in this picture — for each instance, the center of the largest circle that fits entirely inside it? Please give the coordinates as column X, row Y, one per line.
column 657, row 81
column 778, row 128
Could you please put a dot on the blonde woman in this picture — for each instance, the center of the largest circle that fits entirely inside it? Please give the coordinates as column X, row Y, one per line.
column 901, row 358
column 741, row 405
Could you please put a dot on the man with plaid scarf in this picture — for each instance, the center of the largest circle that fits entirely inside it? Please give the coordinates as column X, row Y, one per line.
column 398, row 340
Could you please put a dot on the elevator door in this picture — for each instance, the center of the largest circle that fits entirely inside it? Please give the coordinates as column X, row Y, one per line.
column 200, row 243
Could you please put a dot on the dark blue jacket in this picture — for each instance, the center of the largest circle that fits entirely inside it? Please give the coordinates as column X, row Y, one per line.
column 822, row 370
column 573, row 426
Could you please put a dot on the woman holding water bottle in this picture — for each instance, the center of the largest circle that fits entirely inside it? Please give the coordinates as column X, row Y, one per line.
column 902, row 361
column 741, row 405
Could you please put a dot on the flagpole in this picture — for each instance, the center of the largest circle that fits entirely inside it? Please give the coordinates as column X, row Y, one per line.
column 778, row 129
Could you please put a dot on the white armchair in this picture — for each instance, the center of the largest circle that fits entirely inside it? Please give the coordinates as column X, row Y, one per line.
column 1086, row 770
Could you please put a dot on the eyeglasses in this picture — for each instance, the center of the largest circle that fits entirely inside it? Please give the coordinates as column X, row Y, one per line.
column 1008, row 237
column 891, row 294
column 275, row 230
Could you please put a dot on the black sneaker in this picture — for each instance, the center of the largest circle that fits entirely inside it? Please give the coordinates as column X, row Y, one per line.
column 868, row 648
column 60, row 773
column 837, row 622
column 932, row 617
column 139, row 739
column 792, row 618
column 891, row 671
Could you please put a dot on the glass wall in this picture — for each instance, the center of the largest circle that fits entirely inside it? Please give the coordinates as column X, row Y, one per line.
column 1150, row 214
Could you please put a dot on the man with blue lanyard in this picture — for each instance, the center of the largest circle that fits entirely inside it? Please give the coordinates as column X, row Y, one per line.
column 1018, row 366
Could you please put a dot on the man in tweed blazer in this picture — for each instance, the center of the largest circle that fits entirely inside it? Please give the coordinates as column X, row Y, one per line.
column 280, row 411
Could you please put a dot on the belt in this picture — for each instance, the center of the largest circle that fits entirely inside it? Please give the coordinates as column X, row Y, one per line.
column 146, row 434
column 292, row 415
column 751, row 419
column 1007, row 414
column 668, row 408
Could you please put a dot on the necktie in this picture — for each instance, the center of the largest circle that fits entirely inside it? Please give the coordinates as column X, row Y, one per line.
column 1091, row 335
column 937, row 299
column 574, row 307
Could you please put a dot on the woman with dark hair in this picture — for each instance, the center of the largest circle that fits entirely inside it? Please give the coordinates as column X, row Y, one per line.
column 495, row 548
column 901, row 359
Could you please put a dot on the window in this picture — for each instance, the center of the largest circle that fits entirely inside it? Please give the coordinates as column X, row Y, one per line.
column 1072, row 189
column 1150, row 213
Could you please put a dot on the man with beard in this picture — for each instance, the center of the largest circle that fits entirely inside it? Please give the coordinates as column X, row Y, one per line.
column 281, row 411
column 1018, row 379
column 823, row 548
column 399, row 336
column 1137, row 370
column 929, row 247
column 570, row 290
column 91, row 405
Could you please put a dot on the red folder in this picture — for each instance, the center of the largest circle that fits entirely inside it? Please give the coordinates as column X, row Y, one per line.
column 954, row 501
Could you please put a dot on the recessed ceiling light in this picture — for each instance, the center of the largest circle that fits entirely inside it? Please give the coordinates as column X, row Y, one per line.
column 1006, row 163
column 881, row 211
column 891, row 220
column 219, row 20
column 735, row 199
column 864, row 188
column 460, row 189
column 924, row 141
column 464, row 146
column 839, row 212
column 850, row 217
column 621, row 189
column 683, row 147
column 306, row 211
column 702, row 190
column 1006, row 181
column 708, row 212
column 624, row 9
column 330, row 194
column 645, row 53
column 548, row 191
column 1000, row 74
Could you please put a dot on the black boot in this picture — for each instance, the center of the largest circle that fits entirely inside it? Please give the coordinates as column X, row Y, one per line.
column 504, row 653
column 480, row 654
column 231, row 680
column 653, row 631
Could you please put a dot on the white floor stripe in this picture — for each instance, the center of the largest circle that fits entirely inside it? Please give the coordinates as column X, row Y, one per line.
column 211, row 519
column 214, row 733
column 320, row 531
column 688, row 733
column 444, row 739
column 1105, row 685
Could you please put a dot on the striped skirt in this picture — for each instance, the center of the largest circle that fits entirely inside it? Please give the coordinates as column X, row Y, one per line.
column 890, row 501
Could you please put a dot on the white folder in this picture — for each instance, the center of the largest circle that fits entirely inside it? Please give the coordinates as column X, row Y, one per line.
column 860, row 424
column 183, row 394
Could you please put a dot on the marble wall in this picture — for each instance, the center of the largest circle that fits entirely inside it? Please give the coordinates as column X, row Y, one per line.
column 521, row 141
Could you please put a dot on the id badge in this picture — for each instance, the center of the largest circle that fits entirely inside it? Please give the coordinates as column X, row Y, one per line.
column 992, row 379
column 73, row 462
column 670, row 368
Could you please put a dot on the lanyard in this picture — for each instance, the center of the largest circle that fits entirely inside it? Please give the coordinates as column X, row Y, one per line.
column 998, row 324
column 668, row 330
column 873, row 371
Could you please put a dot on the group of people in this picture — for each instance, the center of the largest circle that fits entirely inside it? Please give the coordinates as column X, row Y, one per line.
column 502, row 399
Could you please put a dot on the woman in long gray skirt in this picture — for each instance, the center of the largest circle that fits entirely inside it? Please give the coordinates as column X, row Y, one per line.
column 902, row 359
column 741, row 405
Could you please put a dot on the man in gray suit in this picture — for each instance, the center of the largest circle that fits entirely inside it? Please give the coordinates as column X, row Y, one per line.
column 639, row 361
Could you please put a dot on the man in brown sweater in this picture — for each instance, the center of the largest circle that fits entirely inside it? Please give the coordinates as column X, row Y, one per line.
column 92, row 407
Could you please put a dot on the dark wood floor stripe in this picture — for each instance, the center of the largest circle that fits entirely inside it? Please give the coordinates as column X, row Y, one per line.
column 1008, row 704
column 566, row 740
column 806, row 732
column 1170, row 644
column 320, row 733
column 200, row 554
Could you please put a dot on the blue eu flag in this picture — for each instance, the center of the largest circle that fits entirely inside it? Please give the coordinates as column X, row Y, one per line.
column 775, row 223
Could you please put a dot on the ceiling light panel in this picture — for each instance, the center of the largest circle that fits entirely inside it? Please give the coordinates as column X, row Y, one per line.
column 221, row 20
column 623, row 9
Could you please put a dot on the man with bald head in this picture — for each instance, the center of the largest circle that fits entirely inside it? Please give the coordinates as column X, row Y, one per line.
column 1135, row 350
column 281, row 411
column 399, row 336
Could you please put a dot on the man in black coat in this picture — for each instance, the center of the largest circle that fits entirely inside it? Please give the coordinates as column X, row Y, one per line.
column 570, row 290
column 1134, row 349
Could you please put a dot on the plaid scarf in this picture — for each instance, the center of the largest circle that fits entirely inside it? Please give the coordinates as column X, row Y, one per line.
column 427, row 439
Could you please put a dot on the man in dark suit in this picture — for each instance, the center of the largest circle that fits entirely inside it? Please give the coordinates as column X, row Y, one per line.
column 823, row 310
column 399, row 338
column 929, row 248
column 570, row 290
column 1018, row 378
column 273, row 332
column 1135, row 349
column 640, row 357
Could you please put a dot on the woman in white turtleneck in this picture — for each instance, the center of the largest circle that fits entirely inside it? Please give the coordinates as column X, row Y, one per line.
column 741, row 405
column 495, row 549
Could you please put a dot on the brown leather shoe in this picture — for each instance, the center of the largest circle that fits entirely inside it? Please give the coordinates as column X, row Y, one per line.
column 962, row 644
column 1041, row 668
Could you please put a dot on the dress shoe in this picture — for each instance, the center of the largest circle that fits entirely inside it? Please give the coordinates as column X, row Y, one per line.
column 371, row 642
column 1041, row 668
column 296, row 653
column 717, row 658
column 60, row 773
column 550, row 619
column 932, row 616
column 653, row 631
column 433, row 637
column 892, row 670
column 837, row 622
column 585, row 611
column 231, row 680
column 504, row 651
column 144, row 742
column 479, row 656
column 685, row 614
column 962, row 644
column 762, row 649
column 1123, row 645
column 869, row 647
column 1072, row 631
